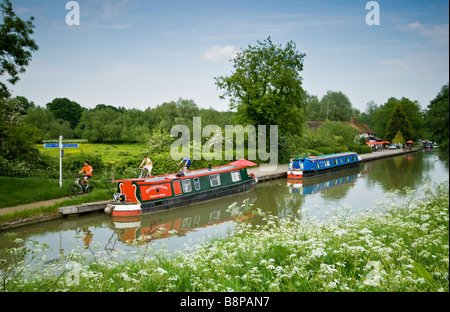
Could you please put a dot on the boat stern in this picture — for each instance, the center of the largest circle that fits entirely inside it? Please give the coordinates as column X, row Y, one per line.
column 125, row 209
column 295, row 174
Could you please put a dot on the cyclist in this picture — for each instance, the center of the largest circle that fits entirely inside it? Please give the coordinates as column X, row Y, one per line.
column 186, row 165
column 148, row 165
column 87, row 169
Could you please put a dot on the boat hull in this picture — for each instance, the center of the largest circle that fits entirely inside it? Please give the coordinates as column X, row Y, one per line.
column 119, row 209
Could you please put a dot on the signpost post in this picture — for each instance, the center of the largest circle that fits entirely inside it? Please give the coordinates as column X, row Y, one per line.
column 61, row 154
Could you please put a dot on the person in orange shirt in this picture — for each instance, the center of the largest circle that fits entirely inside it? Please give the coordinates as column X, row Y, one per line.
column 87, row 169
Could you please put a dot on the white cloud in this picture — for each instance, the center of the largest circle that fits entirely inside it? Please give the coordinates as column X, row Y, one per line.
column 437, row 33
column 218, row 53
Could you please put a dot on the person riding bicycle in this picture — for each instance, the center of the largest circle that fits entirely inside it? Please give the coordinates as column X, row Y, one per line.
column 186, row 165
column 87, row 169
column 148, row 165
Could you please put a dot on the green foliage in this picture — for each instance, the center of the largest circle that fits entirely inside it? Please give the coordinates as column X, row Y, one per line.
column 104, row 125
column 399, row 122
column 49, row 127
column 16, row 138
column 74, row 162
column 16, row 46
column 437, row 116
column 336, row 106
column 378, row 117
column 331, row 137
column 399, row 139
column 265, row 87
column 65, row 109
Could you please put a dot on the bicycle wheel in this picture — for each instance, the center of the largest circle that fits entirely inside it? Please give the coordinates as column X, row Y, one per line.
column 91, row 186
column 74, row 190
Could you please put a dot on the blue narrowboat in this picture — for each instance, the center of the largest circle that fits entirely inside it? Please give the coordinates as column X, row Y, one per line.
column 314, row 165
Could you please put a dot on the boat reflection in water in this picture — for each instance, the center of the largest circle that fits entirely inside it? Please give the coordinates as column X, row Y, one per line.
column 163, row 224
column 315, row 185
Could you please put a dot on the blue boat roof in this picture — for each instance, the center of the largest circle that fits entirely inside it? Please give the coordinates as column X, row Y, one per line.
column 313, row 158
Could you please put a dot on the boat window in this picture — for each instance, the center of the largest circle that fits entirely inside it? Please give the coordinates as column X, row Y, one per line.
column 196, row 184
column 341, row 160
column 335, row 161
column 317, row 165
column 214, row 179
column 353, row 158
column 327, row 163
column 186, row 185
column 346, row 159
column 235, row 176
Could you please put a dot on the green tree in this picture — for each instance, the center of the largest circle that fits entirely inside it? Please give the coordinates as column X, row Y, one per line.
column 336, row 106
column 436, row 116
column 381, row 116
column 265, row 87
column 399, row 122
column 16, row 138
column 399, row 139
column 65, row 109
column 313, row 109
column 49, row 127
column 103, row 125
column 16, row 46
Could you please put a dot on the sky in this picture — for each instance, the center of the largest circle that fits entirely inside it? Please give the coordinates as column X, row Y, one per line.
column 142, row 53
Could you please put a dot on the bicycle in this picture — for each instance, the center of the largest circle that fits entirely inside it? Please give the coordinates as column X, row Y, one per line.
column 142, row 174
column 77, row 188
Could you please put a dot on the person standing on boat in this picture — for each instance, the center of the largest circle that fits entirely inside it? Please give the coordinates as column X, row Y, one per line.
column 148, row 165
column 187, row 163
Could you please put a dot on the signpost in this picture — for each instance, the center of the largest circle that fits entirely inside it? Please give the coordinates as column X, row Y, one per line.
column 61, row 153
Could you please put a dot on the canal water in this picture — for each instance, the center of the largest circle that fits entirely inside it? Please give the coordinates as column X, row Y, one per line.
column 350, row 190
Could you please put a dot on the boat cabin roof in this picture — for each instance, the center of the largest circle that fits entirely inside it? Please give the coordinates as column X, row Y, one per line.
column 322, row 157
column 189, row 174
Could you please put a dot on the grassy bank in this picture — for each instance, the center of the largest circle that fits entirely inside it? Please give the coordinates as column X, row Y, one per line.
column 20, row 191
column 396, row 248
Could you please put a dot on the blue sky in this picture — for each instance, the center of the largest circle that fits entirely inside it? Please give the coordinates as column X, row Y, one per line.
column 141, row 53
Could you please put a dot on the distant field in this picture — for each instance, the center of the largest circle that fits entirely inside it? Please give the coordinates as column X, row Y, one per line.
column 108, row 152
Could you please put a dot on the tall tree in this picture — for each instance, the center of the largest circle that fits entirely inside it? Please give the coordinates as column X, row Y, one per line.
column 399, row 122
column 265, row 87
column 336, row 106
column 16, row 46
column 65, row 109
column 436, row 117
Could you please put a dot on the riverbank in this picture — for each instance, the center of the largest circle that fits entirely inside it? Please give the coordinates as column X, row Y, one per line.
column 395, row 248
column 48, row 210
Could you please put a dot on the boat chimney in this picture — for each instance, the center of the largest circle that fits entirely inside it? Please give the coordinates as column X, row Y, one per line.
column 209, row 166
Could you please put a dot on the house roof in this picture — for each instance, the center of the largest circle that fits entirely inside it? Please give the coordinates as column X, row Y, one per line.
column 361, row 127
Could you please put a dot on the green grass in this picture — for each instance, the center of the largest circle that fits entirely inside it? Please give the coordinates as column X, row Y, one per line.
column 397, row 248
column 20, row 191
column 108, row 152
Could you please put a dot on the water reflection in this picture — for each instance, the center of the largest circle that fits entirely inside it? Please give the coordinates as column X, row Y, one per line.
column 179, row 222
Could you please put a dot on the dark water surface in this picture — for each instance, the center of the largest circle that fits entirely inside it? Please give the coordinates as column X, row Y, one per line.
column 354, row 190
